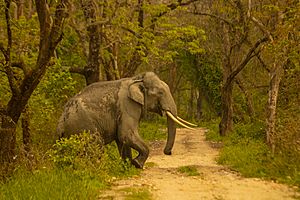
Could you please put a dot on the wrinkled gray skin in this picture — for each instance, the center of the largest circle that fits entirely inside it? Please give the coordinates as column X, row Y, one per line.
column 114, row 109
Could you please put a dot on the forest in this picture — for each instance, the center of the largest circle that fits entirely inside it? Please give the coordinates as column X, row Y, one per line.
column 232, row 67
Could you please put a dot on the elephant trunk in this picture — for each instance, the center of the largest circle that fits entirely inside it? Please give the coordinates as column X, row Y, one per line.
column 171, row 136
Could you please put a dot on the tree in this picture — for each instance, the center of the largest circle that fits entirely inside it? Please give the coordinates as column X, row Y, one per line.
column 127, row 33
column 237, row 47
column 279, row 22
column 91, row 71
column 22, row 85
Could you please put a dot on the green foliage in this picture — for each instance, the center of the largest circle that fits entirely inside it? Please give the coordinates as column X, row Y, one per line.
column 204, row 74
column 246, row 156
column 82, row 167
column 151, row 131
column 114, row 166
column 77, row 150
column 50, row 184
column 245, row 151
column 212, row 133
column 190, row 170
column 46, row 104
column 86, row 153
column 209, row 78
column 179, row 40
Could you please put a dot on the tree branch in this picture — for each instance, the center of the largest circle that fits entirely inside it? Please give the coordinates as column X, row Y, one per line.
column 260, row 25
column 171, row 7
column 7, row 66
column 44, row 18
column 251, row 53
column 77, row 70
column 213, row 16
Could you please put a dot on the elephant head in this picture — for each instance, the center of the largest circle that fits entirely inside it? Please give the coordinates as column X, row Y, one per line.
column 154, row 95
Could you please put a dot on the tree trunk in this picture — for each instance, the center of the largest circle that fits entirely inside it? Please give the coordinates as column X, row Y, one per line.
column 191, row 103
column 26, row 131
column 20, row 8
column 276, row 76
column 248, row 97
column 226, row 124
column 7, row 139
column 92, row 70
column 199, row 107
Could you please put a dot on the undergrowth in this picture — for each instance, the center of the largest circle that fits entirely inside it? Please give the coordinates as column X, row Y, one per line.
column 78, row 168
column 51, row 184
column 245, row 151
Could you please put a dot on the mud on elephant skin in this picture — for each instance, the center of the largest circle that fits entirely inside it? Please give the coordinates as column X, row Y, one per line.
column 114, row 109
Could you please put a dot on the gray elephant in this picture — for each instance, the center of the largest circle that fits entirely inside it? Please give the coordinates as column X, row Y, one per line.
column 114, row 109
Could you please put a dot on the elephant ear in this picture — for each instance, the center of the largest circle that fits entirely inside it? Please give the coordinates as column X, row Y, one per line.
column 135, row 92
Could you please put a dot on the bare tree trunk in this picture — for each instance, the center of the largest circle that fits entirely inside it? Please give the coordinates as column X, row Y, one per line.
column 199, row 106
column 20, row 8
column 30, row 9
column 191, row 103
column 276, row 76
column 26, row 131
column 248, row 97
column 7, row 139
column 92, row 70
column 226, row 124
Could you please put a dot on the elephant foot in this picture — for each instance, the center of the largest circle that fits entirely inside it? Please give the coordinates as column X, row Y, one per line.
column 137, row 164
column 166, row 152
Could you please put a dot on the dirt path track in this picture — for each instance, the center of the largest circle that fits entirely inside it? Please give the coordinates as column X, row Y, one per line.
column 214, row 182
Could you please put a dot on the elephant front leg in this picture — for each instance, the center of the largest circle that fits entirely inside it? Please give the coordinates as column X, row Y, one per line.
column 124, row 151
column 131, row 139
column 140, row 146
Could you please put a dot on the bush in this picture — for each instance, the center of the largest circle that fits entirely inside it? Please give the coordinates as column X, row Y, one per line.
column 78, row 150
column 86, row 152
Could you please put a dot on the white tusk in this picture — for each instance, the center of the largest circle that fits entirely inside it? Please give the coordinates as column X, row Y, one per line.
column 178, row 122
column 188, row 123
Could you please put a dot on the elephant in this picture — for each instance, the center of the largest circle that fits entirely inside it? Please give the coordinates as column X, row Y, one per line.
column 114, row 109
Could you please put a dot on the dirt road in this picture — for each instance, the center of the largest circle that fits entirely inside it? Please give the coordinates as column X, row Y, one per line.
column 164, row 181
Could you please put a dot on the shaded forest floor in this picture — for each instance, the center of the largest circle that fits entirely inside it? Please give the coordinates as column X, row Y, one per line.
column 165, row 182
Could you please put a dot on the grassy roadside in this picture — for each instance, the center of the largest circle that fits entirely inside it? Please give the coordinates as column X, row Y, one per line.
column 245, row 151
column 76, row 168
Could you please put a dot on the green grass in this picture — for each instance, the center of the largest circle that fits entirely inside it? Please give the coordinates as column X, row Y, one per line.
column 137, row 194
column 78, row 168
column 213, row 129
column 189, row 170
column 151, row 131
column 244, row 150
column 150, row 164
column 51, row 184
